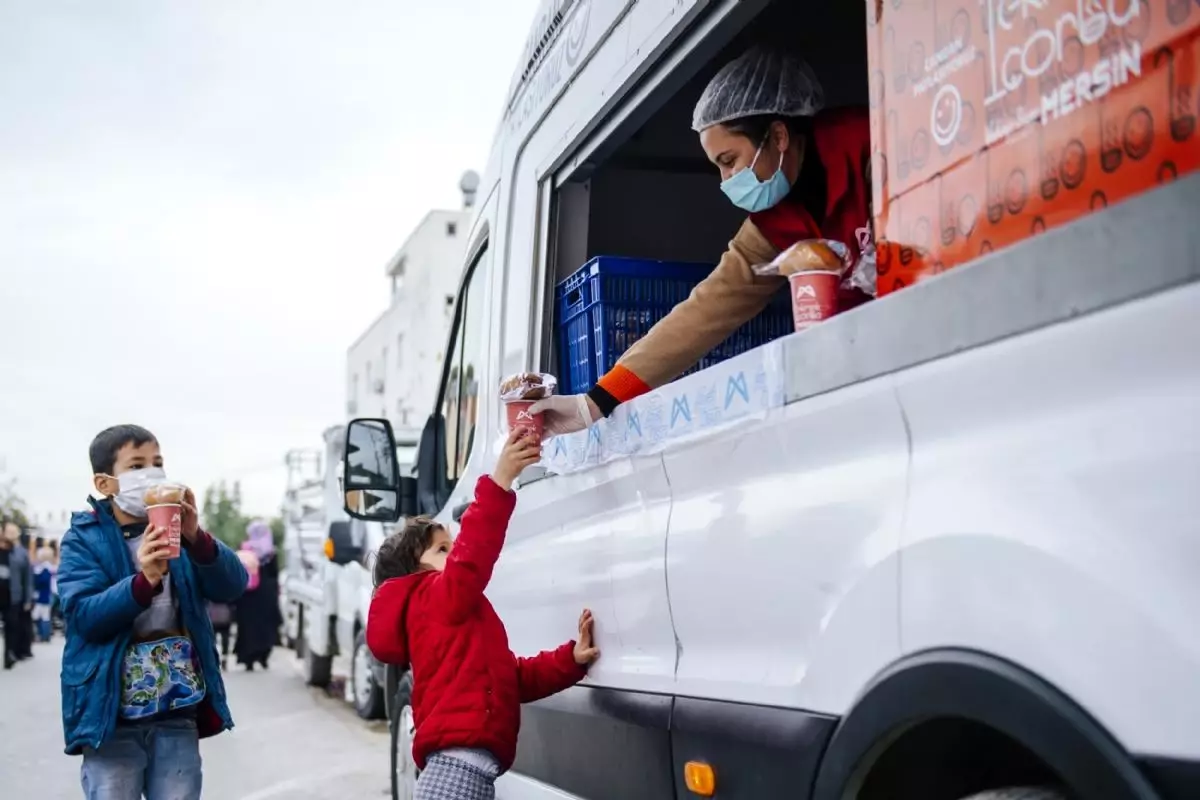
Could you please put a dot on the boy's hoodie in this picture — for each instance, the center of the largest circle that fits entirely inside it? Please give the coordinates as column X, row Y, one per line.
column 467, row 685
column 97, row 585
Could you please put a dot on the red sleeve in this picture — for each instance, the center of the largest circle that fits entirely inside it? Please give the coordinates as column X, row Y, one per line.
column 476, row 550
column 143, row 590
column 203, row 550
column 548, row 673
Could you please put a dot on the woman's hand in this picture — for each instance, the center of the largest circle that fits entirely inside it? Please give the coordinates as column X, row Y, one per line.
column 520, row 451
column 586, row 651
column 563, row 414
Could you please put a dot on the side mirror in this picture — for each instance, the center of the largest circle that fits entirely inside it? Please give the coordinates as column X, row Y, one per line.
column 370, row 471
column 339, row 546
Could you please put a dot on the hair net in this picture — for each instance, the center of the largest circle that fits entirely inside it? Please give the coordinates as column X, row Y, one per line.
column 759, row 82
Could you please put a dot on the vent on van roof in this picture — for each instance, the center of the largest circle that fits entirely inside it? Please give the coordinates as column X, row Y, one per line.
column 536, row 48
column 547, row 37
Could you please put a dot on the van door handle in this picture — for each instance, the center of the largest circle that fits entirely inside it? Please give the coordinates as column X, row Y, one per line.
column 459, row 510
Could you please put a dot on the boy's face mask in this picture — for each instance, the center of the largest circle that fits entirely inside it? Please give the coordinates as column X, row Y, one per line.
column 133, row 485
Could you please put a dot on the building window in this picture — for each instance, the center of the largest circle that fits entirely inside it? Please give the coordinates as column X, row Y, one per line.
column 400, row 350
column 452, row 229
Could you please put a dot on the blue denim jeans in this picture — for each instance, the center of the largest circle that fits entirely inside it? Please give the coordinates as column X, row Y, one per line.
column 160, row 760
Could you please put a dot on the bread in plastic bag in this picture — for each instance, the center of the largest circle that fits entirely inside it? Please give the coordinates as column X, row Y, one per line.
column 807, row 255
column 527, row 386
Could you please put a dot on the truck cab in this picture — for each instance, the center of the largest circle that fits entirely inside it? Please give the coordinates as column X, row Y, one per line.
column 328, row 596
column 935, row 547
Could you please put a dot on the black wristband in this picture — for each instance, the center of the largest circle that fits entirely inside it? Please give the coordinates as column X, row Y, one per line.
column 603, row 400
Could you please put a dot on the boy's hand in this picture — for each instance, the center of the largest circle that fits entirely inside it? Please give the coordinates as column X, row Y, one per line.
column 152, row 555
column 586, row 651
column 520, row 451
column 191, row 520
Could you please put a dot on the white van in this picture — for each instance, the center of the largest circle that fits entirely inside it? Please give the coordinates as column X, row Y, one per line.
column 943, row 544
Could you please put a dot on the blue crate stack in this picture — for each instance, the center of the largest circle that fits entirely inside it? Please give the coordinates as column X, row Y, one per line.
column 611, row 302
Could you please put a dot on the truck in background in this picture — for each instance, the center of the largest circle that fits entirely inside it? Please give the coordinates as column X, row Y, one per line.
column 327, row 589
column 392, row 370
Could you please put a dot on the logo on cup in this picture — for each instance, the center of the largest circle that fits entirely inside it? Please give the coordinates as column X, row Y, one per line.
column 524, row 415
column 806, row 291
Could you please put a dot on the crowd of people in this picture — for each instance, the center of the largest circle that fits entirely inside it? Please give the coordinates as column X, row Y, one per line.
column 28, row 592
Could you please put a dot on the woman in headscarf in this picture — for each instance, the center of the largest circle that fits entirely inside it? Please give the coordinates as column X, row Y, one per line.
column 801, row 172
column 257, row 612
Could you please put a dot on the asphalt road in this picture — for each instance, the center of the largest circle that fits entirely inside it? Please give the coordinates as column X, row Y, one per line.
column 290, row 741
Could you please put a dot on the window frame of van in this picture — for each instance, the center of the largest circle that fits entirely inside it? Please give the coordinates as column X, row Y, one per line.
column 479, row 251
column 705, row 32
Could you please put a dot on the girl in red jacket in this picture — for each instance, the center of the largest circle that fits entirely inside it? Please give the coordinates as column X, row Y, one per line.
column 429, row 611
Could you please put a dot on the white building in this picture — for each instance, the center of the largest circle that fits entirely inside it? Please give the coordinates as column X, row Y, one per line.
column 393, row 369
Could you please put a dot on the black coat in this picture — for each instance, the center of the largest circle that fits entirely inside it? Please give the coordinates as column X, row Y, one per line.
column 257, row 615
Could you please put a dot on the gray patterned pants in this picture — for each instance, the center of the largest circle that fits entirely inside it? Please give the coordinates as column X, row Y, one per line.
column 447, row 778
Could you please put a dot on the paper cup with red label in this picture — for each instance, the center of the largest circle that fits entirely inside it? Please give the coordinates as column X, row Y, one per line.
column 164, row 509
column 519, row 393
column 815, row 268
column 520, row 418
column 814, row 296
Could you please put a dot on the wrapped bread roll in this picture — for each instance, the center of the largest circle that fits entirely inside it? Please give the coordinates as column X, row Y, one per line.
column 527, row 386
column 806, row 256
column 165, row 494
column 809, row 255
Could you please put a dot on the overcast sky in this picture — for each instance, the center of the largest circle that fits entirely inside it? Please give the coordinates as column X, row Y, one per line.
column 197, row 200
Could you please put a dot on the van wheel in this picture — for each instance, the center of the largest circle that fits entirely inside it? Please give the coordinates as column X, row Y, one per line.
column 1019, row 793
column 404, row 769
column 368, row 695
column 318, row 670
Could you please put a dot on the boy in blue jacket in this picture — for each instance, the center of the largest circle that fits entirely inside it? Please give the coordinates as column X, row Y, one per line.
column 141, row 683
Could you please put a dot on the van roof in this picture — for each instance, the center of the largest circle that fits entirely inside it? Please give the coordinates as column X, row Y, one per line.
column 542, row 32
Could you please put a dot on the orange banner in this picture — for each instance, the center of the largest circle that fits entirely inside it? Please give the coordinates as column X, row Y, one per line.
column 995, row 120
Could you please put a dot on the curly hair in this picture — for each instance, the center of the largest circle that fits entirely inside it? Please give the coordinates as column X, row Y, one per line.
column 400, row 554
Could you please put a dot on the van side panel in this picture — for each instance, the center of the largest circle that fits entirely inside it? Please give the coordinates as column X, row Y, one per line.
column 1053, row 518
column 594, row 540
column 782, row 552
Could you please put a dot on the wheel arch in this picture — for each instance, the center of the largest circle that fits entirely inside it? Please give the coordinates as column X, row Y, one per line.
column 981, row 688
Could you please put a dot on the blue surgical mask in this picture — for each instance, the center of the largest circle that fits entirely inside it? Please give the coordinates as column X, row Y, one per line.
column 747, row 192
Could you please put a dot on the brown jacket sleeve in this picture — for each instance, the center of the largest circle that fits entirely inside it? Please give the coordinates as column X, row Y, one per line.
column 724, row 301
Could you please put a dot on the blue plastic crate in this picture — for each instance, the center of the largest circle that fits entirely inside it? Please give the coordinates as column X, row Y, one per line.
column 610, row 303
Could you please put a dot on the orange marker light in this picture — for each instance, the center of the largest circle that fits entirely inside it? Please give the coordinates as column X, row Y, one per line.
column 329, row 549
column 700, row 778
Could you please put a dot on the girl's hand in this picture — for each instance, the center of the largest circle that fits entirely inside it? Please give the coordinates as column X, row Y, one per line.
column 520, row 451
column 586, row 651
